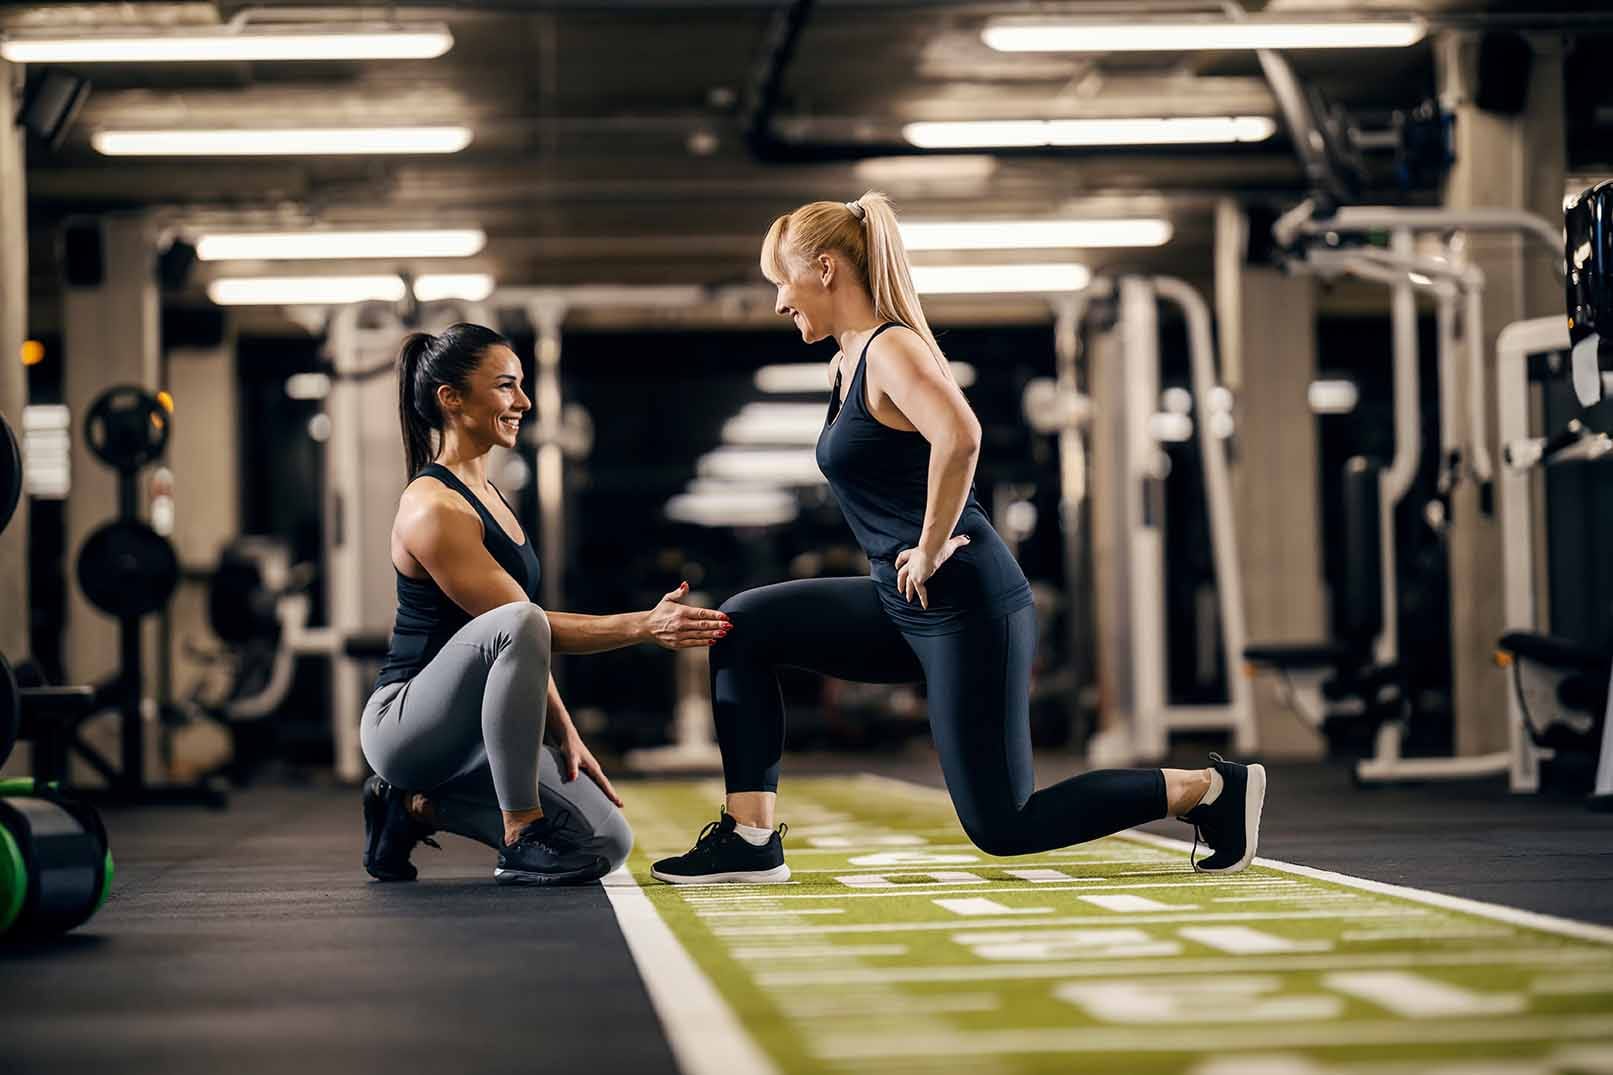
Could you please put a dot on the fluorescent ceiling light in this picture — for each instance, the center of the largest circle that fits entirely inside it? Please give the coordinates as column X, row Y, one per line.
column 951, row 168
column 338, row 290
column 1333, row 397
column 775, row 423
column 304, row 290
column 999, row 279
column 778, row 466
column 1197, row 36
column 313, row 245
column 751, row 508
column 308, row 386
column 471, row 287
column 225, row 45
column 717, row 485
column 1033, row 234
column 812, row 378
column 325, row 142
column 1142, row 131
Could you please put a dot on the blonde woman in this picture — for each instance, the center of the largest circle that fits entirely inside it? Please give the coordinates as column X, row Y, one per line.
column 945, row 601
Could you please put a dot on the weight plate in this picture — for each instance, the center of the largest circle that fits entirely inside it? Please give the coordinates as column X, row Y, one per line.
column 10, row 472
column 127, row 569
column 127, row 427
column 10, row 710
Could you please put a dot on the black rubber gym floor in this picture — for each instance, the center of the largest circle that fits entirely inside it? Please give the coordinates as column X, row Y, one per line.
column 251, row 940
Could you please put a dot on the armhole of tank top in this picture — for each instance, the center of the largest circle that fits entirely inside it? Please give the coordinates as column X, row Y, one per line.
column 862, row 370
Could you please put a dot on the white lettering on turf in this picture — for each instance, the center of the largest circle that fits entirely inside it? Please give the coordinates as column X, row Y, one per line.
column 1418, row 997
column 1223, row 998
column 980, row 907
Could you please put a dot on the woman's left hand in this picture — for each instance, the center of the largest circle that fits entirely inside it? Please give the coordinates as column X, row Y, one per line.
column 915, row 566
column 579, row 759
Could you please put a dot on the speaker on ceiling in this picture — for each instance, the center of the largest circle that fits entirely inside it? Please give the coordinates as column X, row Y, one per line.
column 1501, row 82
column 50, row 100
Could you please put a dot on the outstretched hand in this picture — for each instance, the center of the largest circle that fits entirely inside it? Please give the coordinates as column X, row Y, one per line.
column 915, row 566
column 674, row 625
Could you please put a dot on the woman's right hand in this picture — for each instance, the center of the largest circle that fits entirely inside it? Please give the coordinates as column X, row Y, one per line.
column 674, row 625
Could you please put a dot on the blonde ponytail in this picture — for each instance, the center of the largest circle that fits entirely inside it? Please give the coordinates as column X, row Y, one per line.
column 865, row 233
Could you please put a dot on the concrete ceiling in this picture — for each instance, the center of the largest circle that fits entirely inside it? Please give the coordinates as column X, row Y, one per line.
column 608, row 142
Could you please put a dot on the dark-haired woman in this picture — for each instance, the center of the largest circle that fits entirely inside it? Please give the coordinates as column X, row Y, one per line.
column 466, row 730
column 944, row 602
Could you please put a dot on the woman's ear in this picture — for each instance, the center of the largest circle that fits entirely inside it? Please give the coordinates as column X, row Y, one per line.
column 448, row 400
column 826, row 269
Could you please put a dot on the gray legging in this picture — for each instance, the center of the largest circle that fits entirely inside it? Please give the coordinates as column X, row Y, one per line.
column 467, row 731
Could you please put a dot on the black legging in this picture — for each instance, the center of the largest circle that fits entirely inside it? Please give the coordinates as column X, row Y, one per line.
column 978, row 684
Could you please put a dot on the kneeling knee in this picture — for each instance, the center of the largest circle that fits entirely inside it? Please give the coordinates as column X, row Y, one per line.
column 1001, row 840
column 616, row 840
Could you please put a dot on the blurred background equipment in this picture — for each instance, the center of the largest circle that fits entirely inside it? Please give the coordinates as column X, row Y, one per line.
column 55, row 866
column 1175, row 480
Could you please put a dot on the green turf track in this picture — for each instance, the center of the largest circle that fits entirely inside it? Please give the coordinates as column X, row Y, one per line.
column 854, row 966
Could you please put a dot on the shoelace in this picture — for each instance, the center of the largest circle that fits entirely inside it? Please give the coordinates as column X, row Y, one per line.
column 708, row 834
column 1193, row 855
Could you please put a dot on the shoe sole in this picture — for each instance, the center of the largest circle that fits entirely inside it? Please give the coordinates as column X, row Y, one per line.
column 526, row 877
column 776, row 876
column 1254, row 801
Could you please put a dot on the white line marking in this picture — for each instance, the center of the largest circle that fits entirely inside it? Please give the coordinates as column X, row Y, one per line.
column 1244, row 941
column 883, row 1002
column 1563, row 927
column 981, row 908
column 935, row 890
column 1431, row 933
column 1132, row 904
column 1043, row 877
column 704, row 1035
column 827, row 951
column 888, row 880
column 1202, row 1039
column 1082, row 920
column 764, row 913
column 972, row 972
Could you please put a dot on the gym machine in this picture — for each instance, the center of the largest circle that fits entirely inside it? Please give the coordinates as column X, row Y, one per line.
column 1333, row 684
column 1558, row 704
column 1131, row 640
column 56, row 868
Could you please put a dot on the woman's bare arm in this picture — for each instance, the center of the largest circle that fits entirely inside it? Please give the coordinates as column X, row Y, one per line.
column 446, row 540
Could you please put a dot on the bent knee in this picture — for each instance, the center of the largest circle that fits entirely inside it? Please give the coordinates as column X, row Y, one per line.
column 1002, row 839
column 523, row 624
column 614, row 840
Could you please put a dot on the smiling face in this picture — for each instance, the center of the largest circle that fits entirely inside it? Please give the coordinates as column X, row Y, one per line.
column 490, row 409
column 803, row 295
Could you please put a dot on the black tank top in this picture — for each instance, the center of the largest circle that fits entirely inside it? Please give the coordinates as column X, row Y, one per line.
column 427, row 618
column 881, row 478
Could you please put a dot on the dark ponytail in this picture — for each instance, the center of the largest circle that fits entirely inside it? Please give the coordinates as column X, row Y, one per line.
column 425, row 362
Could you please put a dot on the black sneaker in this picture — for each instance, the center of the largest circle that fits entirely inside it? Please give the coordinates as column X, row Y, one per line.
column 390, row 834
column 546, row 854
column 721, row 854
column 1231, row 824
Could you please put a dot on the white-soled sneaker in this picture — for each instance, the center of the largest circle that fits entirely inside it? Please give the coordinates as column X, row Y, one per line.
column 1231, row 824
column 721, row 854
